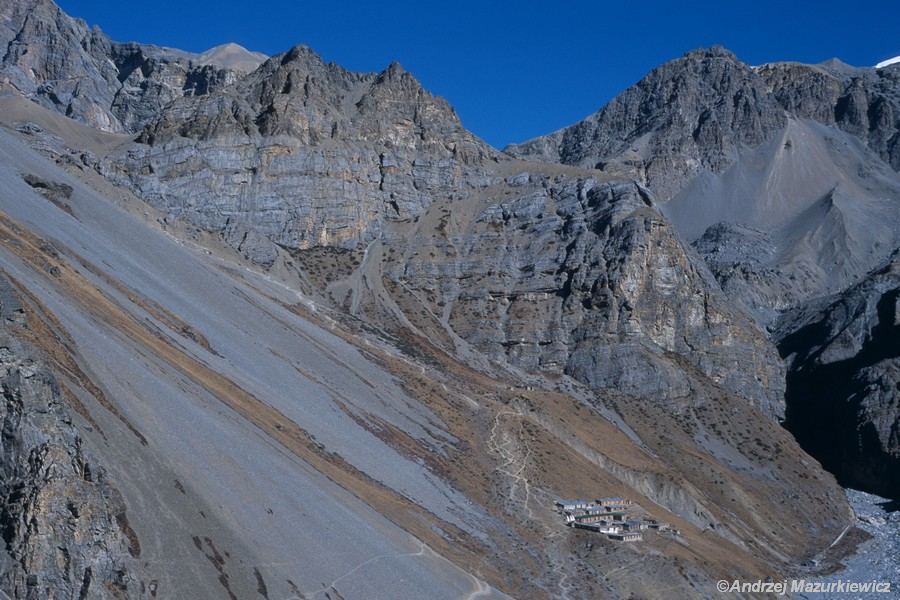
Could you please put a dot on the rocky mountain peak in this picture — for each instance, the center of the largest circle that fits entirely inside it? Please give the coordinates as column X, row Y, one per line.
column 785, row 177
column 674, row 124
column 60, row 63
column 400, row 84
column 393, row 70
column 231, row 56
column 300, row 61
column 714, row 51
column 300, row 95
column 379, row 145
column 685, row 116
column 300, row 53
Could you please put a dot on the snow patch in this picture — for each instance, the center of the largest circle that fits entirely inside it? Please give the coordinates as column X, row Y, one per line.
column 888, row 62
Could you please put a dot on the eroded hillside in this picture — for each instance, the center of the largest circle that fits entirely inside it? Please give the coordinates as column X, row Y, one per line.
column 326, row 342
column 247, row 405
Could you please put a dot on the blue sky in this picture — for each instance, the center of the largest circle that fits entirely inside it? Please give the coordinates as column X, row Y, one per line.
column 514, row 70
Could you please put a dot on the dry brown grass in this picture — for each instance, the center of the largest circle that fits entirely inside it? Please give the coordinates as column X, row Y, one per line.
column 562, row 435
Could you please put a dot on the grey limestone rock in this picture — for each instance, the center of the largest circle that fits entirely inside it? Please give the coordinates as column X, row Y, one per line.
column 784, row 179
column 587, row 278
column 305, row 153
column 64, row 525
column 860, row 101
column 694, row 113
column 687, row 115
column 548, row 273
column 804, row 153
column 60, row 63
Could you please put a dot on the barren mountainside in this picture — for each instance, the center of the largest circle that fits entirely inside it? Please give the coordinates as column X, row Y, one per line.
column 320, row 340
column 304, row 153
column 793, row 201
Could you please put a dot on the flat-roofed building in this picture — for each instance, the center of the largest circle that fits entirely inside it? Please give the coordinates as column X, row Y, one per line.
column 613, row 501
column 626, row 536
column 569, row 505
column 591, row 518
column 634, row 525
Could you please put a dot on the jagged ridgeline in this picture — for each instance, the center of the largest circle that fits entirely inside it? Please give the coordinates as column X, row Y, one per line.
column 321, row 339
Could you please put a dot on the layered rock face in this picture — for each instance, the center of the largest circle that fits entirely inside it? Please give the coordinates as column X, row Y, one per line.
column 65, row 527
column 804, row 154
column 586, row 278
column 305, row 153
column 346, row 160
column 844, row 377
column 62, row 64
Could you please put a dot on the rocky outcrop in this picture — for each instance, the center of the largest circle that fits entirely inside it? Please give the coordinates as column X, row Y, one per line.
column 862, row 102
column 843, row 380
column 305, row 153
column 693, row 114
column 744, row 262
column 586, row 278
column 65, row 527
column 688, row 115
column 60, row 63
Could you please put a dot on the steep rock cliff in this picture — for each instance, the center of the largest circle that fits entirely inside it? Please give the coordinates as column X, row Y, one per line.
column 305, row 154
column 65, row 526
column 583, row 277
